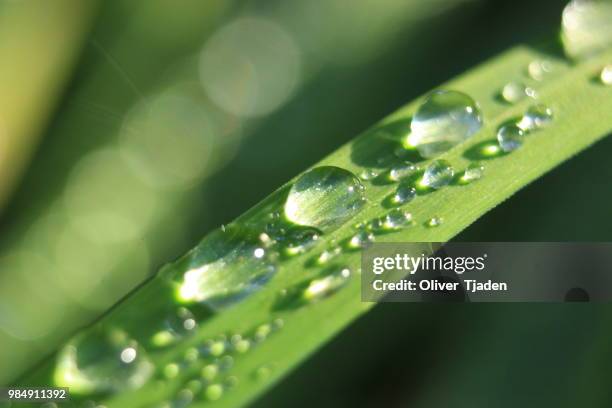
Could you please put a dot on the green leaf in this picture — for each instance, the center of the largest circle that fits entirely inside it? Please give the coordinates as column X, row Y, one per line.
column 581, row 107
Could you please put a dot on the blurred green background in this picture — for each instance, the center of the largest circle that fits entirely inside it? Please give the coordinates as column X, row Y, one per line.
column 129, row 129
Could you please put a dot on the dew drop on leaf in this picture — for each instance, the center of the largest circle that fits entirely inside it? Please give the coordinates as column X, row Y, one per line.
column 324, row 286
column 438, row 174
column 444, row 119
column 434, row 222
column 474, row 171
column 537, row 116
column 402, row 171
column 324, row 198
column 102, row 360
column 231, row 249
column 606, row 75
column 510, row 137
column 403, row 194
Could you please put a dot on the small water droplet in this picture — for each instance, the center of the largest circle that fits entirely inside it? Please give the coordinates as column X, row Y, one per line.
column 102, row 360
column 208, row 280
column 586, row 28
column 213, row 392
column 404, row 193
column 209, row 371
column 538, row 69
column 171, row 370
column 444, row 119
column 216, row 347
column 262, row 332
column 368, row 174
column 301, row 239
column 402, row 171
column 191, row 355
column 438, row 174
column 328, row 254
column 397, row 219
column 434, row 222
column 180, row 323
column 474, row 171
column 278, row 324
column 510, row 137
column 325, row 286
column 537, row 116
column 606, row 75
column 324, row 198
column 360, row 240
column 240, row 344
column 513, row 92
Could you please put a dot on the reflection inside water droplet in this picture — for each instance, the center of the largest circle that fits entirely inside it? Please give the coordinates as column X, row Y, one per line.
column 225, row 268
column 324, row 198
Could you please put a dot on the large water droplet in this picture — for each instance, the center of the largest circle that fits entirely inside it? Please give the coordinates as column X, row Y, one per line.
column 586, row 28
column 606, row 75
column 227, row 266
column 537, row 116
column 510, row 137
column 438, row 174
column 445, row 119
column 102, row 361
column 324, row 198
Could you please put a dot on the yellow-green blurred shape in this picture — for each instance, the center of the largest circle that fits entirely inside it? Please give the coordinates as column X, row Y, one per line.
column 39, row 40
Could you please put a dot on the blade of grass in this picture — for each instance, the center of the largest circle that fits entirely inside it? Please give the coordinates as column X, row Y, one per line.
column 581, row 107
column 39, row 42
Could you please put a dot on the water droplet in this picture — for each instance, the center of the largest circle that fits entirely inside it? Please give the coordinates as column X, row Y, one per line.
column 438, row 174
column 191, row 355
column 513, row 92
column 209, row 279
column 323, row 287
column 324, row 198
column 301, row 239
column 209, row 371
column 278, row 324
column 240, row 344
column 510, row 137
column 445, row 119
column 180, row 323
column 171, row 370
column 474, row 171
column 215, row 347
column 434, row 222
column 368, row 174
column 402, row 171
column 586, row 28
column 102, row 360
column 329, row 254
column 213, row 392
column 537, row 116
column 606, row 75
column 262, row 332
column 538, row 69
column 396, row 219
column 360, row 240
column 403, row 194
